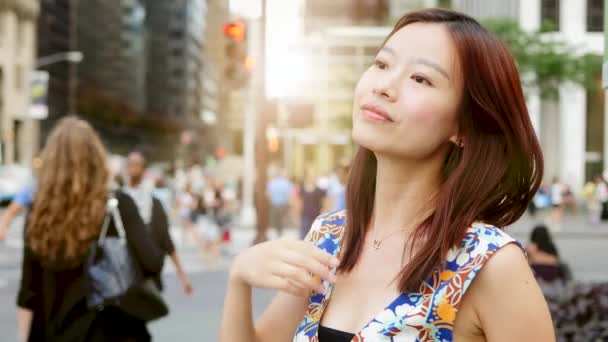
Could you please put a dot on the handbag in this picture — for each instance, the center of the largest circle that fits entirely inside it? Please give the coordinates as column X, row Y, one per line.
column 114, row 278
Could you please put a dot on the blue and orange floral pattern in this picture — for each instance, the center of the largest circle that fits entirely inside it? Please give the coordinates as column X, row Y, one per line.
column 426, row 315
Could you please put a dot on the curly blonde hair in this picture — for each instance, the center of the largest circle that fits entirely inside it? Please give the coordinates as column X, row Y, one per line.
column 70, row 200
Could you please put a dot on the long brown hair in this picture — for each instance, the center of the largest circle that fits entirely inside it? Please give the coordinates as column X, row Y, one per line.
column 72, row 186
column 492, row 179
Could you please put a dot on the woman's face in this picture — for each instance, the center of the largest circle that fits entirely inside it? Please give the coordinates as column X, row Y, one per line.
column 407, row 103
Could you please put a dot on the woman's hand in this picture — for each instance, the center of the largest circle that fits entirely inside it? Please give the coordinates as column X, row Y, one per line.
column 293, row 266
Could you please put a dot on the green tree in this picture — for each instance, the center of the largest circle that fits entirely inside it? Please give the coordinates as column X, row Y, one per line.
column 551, row 60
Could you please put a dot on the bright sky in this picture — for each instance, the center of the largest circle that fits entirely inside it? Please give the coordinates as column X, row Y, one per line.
column 284, row 68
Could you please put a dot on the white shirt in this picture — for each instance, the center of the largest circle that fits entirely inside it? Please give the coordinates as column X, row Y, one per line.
column 556, row 194
column 142, row 195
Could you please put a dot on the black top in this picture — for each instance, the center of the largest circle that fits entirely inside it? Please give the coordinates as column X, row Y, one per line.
column 57, row 296
column 548, row 273
column 332, row 335
column 159, row 223
column 312, row 201
column 159, row 226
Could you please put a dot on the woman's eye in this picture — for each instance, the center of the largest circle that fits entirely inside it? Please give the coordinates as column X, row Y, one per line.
column 380, row 64
column 420, row 79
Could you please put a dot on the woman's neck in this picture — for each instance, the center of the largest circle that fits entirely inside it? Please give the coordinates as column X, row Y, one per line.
column 405, row 192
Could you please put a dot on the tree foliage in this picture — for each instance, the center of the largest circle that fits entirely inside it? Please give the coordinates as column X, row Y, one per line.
column 545, row 61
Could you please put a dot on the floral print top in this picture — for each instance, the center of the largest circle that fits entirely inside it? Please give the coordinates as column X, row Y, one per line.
column 426, row 315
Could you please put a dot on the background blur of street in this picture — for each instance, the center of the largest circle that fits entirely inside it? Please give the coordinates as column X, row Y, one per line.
column 197, row 318
column 233, row 101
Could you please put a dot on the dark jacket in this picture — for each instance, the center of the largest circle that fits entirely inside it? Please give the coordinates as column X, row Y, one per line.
column 57, row 295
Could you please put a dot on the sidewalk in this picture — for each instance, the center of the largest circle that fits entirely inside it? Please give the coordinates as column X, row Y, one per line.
column 571, row 226
column 192, row 259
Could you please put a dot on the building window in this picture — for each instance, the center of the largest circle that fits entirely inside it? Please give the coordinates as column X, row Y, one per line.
column 595, row 15
column 549, row 15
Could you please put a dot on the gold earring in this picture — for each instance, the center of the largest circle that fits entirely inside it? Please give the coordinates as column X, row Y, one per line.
column 460, row 143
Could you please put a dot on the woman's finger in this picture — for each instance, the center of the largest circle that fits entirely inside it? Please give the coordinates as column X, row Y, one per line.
column 285, row 285
column 312, row 251
column 302, row 291
column 298, row 275
column 311, row 265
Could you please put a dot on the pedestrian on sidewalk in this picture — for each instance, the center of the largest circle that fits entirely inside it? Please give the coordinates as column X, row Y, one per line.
column 22, row 201
column 278, row 191
column 336, row 194
column 591, row 196
column 447, row 154
column 153, row 214
column 602, row 196
column 557, row 202
column 186, row 204
column 210, row 235
column 65, row 220
column 310, row 201
column 544, row 259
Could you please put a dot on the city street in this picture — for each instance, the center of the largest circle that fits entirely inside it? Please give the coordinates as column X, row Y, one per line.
column 197, row 318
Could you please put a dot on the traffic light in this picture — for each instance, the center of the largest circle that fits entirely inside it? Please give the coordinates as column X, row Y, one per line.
column 238, row 64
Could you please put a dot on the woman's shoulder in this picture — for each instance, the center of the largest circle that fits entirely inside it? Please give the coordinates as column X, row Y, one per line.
column 327, row 228
column 480, row 243
column 487, row 238
column 487, row 255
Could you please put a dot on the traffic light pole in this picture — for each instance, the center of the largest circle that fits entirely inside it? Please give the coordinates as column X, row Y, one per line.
column 261, row 199
column 255, row 204
column 248, row 212
column 605, row 84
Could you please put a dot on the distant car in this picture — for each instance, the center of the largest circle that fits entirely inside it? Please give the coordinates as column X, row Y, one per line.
column 13, row 178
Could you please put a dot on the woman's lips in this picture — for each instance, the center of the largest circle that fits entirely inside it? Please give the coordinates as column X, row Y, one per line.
column 375, row 113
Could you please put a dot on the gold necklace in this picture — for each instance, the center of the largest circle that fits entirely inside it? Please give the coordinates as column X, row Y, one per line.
column 378, row 242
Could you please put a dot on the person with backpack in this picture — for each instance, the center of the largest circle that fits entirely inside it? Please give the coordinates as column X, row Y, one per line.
column 64, row 224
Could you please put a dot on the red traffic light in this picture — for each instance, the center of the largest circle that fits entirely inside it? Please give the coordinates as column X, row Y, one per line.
column 235, row 30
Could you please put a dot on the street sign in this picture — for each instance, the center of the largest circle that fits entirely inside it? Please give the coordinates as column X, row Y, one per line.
column 39, row 85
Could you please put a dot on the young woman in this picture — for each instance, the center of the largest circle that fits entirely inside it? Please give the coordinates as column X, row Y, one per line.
column 66, row 217
column 544, row 257
column 447, row 154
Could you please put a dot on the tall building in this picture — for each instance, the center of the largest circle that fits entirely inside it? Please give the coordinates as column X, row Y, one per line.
column 399, row 7
column 572, row 129
column 338, row 42
column 56, row 34
column 215, row 97
column 176, row 57
column 18, row 133
column 318, row 121
column 114, row 57
column 320, row 13
column 488, row 9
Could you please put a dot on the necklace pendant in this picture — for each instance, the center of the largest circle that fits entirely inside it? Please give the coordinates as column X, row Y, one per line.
column 377, row 244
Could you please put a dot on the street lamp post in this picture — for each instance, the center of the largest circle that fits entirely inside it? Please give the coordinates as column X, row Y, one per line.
column 605, row 83
column 253, row 212
column 68, row 56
